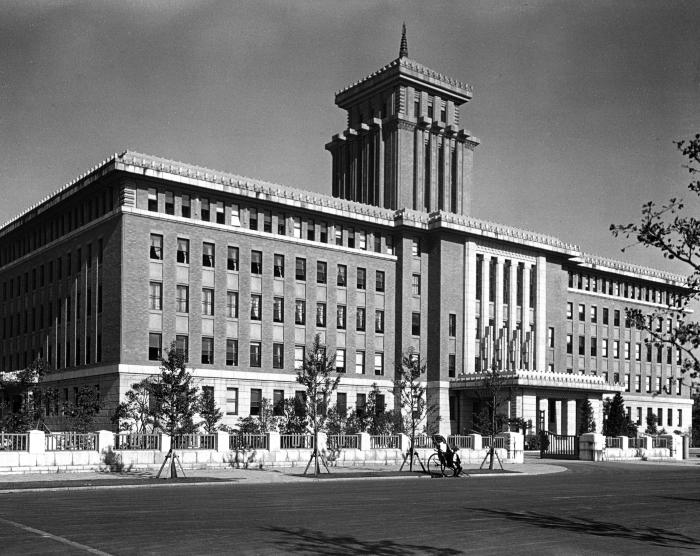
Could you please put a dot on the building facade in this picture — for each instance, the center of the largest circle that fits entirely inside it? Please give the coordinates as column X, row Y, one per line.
column 141, row 252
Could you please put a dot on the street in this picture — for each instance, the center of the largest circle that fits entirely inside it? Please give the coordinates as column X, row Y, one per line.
column 589, row 509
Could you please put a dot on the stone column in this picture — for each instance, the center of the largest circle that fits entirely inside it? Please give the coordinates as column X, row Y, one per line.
column 498, row 305
column 543, row 407
column 469, row 307
column 541, row 316
column 438, row 397
column 529, row 410
column 105, row 441
column 569, row 417
column 36, row 442
column 485, row 268
column 222, row 441
column 597, row 406
column 526, row 302
column 557, row 416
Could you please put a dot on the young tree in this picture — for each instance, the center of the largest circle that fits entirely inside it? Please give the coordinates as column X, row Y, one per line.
column 588, row 423
column 263, row 423
column 407, row 382
column 174, row 400
column 135, row 413
column 493, row 393
column 616, row 422
column 294, row 419
column 677, row 236
column 81, row 413
column 651, row 424
column 316, row 375
column 209, row 411
column 27, row 387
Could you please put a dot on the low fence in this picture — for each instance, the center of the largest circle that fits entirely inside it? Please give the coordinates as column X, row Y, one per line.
column 385, row 441
column 194, row 442
column 462, row 442
column 61, row 441
column 14, row 442
column 658, row 442
column 136, row 441
column 613, row 442
column 343, row 441
column 248, row 441
column 296, row 442
column 498, row 442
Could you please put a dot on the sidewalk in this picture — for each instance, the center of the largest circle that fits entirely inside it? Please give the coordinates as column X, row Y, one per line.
column 92, row 480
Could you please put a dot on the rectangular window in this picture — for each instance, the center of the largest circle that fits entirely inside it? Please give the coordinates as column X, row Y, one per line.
column 281, row 225
column 361, row 278
column 451, row 365
column 232, row 352
column 185, row 210
column 207, row 351
column 638, row 352
column 152, row 200
column 220, row 218
column 183, row 250
column 169, row 202
column 637, row 383
column 379, row 364
column 415, row 324
column 323, row 235
column 321, row 315
column 255, row 306
column 231, row 401
column 277, row 356
column 415, row 248
column 278, row 403
column 594, row 314
column 452, row 325
column 253, row 219
column 627, row 350
column 182, row 347
column 311, row 230
column 594, row 346
column 300, row 269
column 296, row 221
column 616, row 349
column 361, row 403
column 342, row 275
column 340, row 321
column 182, row 299
column 569, row 343
column 604, row 347
column 582, row 345
column 235, row 215
column 232, row 258
column 207, row 301
column 379, row 321
column 255, row 401
column 647, row 383
column 338, row 235
column 362, row 240
column 616, row 317
column 340, row 361
column 278, row 271
column 415, row 284
column 351, row 238
column 232, row 304
column 156, row 252
column 155, row 296
column 204, row 213
column 605, row 315
column 299, row 311
column 569, row 308
column 278, row 309
column 380, row 281
column 208, row 256
column 255, row 354
column 321, row 271
column 360, row 362
column 581, row 312
column 155, row 343
column 256, row 262
column 360, row 319
column 550, row 337
column 299, row 355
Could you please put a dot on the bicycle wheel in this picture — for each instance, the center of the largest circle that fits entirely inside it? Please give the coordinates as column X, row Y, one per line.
column 435, row 467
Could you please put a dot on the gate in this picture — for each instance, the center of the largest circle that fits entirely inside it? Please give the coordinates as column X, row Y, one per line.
column 559, row 446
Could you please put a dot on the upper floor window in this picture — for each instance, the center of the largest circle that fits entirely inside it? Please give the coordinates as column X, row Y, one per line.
column 220, row 218
column 207, row 301
column 256, row 262
column 208, row 257
column 321, row 272
column 360, row 318
column 253, row 219
column 232, row 258
column 415, row 284
column 185, row 209
column 156, row 248
column 278, row 309
column 380, row 281
column 594, row 314
column 581, row 312
column 323, row 233
column 616, row 317
column 338, row 235
column 321, row 315
column 362, row 240
column 152, row 200
column 169, row 202
column 183, row 250
column 296, row 221
column 232, row 304
column 182, row 299
column 300, row 269
column 361, row 278
column 569, row 310
column 341, row 317
column 204, row 209
column 235, row 215
column 415, row 248
column 299, row 311
column 452, row 325
column 155, row 296
column 255, row 306
column 379, row 321
column 278, row 271
column 342, row 275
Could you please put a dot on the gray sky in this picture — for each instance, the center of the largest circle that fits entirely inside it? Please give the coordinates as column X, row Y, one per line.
column 577, row 104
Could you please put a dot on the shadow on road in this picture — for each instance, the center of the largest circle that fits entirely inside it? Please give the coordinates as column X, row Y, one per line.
column 316, row 542
column 651, row 535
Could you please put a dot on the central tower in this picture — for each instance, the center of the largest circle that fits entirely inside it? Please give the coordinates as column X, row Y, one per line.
column 404, row 147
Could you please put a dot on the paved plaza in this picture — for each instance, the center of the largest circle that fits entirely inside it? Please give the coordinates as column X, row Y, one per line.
column 554, row 508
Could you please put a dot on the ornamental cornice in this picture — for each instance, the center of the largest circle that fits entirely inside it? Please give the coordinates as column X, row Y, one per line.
column 539, row 379
column 603, row 264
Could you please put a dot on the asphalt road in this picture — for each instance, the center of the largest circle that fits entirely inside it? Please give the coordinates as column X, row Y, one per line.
column 590, row 509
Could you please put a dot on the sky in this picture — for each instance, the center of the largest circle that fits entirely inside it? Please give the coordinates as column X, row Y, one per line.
column 577, row 104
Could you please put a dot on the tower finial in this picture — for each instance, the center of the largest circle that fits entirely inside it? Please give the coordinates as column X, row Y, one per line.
column 403, row 49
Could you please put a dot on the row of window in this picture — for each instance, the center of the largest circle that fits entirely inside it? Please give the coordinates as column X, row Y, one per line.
column 81, row 355
column 622, row 288
column 65, row 221
column 256, row 264
column 604, row 343
column 44, row 274
column 484, row 262
column 264, row 220
column 659, row 416
column 593, row 317
column 155, row 352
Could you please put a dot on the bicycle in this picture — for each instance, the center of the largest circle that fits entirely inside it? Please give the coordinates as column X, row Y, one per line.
column 445, row 462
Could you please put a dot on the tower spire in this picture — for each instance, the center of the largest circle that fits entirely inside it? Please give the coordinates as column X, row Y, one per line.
column 403, row 49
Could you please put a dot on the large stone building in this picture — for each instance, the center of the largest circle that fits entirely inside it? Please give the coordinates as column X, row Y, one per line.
column 241, row 274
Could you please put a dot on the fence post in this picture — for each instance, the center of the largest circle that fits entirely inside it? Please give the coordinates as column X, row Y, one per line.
column 646, row 442
column 364, row 441
column 164, row 442
column 404, row 442
column 624, row 442
column 222, row 441
column 36, row 442
column 105, row 441
column 273, row 441
column 322, row 441
column 476, row 441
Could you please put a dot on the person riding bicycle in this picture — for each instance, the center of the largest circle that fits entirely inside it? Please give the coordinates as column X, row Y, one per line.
column 448, row 456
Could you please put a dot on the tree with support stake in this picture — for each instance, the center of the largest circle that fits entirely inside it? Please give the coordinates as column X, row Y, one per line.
column 316, row 375
column 407, row 378
column 493, row 393
column 175, row 401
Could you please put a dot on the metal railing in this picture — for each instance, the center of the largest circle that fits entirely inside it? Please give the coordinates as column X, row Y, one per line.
column 296, row 442
column 421, row 441
column 343, row 441
column 14, row 442
column 498, row 442
column 194, row 442
column 247, row 441
column 384, row 441
column 460, row 441
column 637, row 443
column 136, row 441
column 61, row 441
column 657, row 442
column 613, row 442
